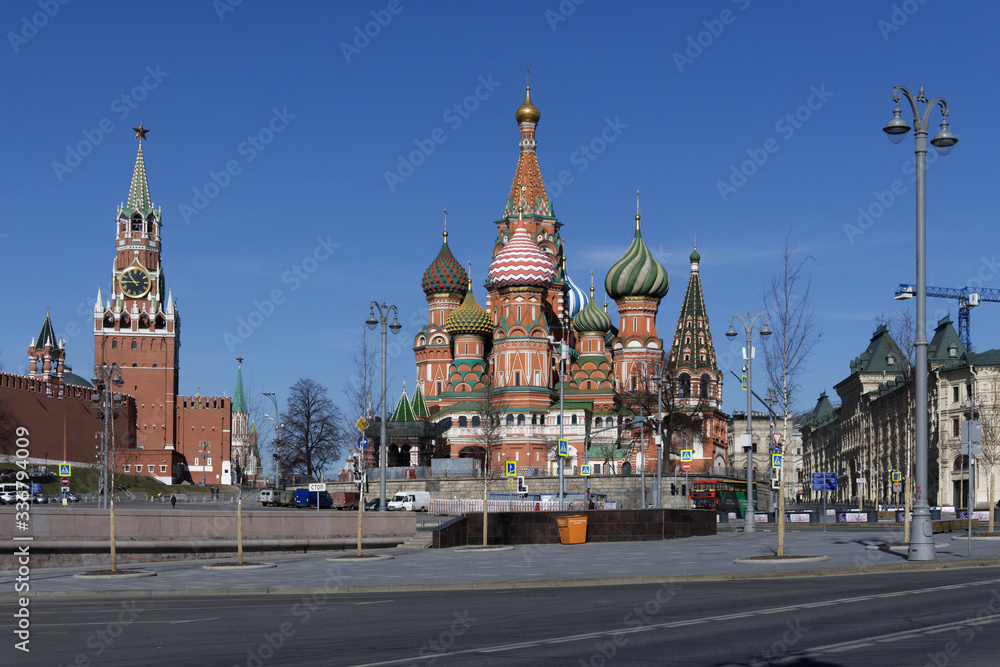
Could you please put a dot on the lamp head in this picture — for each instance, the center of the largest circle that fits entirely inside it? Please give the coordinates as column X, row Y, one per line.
column 395, row 326
column 371, row 321
column 944, row 140
column 731, row 334
column 765, row 331
column 896, row 128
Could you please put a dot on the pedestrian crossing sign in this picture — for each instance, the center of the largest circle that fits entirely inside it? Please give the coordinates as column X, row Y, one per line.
column 897, row 476
column 585, row 470
column 563, row 447
column 64, row 470
column 775, row 460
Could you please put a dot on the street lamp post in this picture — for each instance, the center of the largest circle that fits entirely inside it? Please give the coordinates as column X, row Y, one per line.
column 921, row 537
column 637, row 421
column 205, row 449
column 748, row 513
column 277, row 439
column 371, row 322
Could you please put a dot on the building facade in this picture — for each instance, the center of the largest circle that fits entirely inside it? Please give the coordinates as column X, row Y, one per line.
column 541, row 360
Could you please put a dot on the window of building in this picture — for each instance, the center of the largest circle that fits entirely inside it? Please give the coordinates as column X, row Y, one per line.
column 125, row 468
column 439, row 388
column 163, row 469
column 510, row 420
column 956, row 430
column 954, row 394
column 597, row 422
column 534, row 420
column 541, row 420
column 517, row 378
column 520, row 420
column 466, row 348
column 114, row 345
column 463, row 421
column 475, row 421
column 208, row 463
column 572, row 420
column 135, row 345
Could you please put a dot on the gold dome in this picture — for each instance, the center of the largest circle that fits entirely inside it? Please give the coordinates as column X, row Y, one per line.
column 527, row 112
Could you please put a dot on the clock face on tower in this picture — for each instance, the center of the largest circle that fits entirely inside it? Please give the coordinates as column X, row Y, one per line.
column 134, row 282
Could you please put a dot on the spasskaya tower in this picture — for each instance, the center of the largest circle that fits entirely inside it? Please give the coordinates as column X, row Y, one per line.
column 138, row 326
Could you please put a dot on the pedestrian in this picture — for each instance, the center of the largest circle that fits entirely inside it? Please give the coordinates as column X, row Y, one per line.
column 173, row 501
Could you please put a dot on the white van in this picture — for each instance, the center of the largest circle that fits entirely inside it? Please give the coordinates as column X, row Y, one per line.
column 411, row 501
column 268, row 497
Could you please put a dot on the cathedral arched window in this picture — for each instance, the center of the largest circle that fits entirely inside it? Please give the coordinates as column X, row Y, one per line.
column 520, row 420
column 704, row 385
column 475, row 421
column 135, row 346
column 684, row 386
column 534, row 420
column 572, row 420
column 541, row 420
column 510, row 420
column 463, row 421
column 114, row 345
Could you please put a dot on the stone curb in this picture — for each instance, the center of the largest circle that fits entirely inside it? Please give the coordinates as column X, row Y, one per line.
column 482, row 550
column 781, row 561
column 124, row 574
column 568, row 583
column 355, row 559
column 233, row 567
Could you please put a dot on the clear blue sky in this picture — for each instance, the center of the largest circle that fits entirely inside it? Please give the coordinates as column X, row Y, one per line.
column 205, row 80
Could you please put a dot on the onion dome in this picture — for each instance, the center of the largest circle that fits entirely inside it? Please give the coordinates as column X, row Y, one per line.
column 695, row 257
column 445, row 275
column 527, row 112
column 575, row 297
column 637, row 274
column 521, row 263
column 469, row 318
column 591, row 318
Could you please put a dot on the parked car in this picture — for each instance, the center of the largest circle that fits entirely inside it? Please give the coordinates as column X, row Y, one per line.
column 39, row 498
column 8, row 497
column 410, row 501
column 345, row 500
column 373, row 504
column 73, row 497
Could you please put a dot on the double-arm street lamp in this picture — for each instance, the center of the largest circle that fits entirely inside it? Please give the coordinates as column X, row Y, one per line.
column 921, row 537
column 748, row 322
column 372, row 322
column 106, row 376
column 277, row 439
column 205, row 449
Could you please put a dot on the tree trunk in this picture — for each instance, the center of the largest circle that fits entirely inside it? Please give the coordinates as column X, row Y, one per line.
column 992, row 504
column 485, row 508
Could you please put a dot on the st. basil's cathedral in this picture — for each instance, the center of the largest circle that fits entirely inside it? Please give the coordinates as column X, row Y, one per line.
column 507, row 355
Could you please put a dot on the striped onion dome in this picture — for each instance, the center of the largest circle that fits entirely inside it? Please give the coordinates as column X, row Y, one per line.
column 592, row 318
column 445, row 275
column 576, row 298
column 469, row 318
column 521, row 263
column 637, row 273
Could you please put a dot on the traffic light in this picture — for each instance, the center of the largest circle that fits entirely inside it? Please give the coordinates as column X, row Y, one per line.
column 684, row 490
column 673, row 489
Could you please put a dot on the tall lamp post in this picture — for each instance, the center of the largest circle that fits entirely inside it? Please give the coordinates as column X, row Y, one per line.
column 106, row 376
column 383, row 317
column 921, row 536
column 748, row 513
column 277, row 439
column 205, row 449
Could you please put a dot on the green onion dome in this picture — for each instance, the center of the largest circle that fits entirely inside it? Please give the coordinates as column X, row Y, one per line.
column 637, row 274
column 445, row 275
column 592, row 318
column 469, row 318
column 695, row 257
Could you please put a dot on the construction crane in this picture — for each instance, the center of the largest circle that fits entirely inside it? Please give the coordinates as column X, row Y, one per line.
column 968, row 297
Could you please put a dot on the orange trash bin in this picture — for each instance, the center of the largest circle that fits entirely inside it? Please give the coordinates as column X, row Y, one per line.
column 572, row 529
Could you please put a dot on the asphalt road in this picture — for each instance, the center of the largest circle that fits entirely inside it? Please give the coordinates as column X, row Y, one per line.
column 946, row 617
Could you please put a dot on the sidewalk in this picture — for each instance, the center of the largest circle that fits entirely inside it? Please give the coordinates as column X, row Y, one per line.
column 696, row 558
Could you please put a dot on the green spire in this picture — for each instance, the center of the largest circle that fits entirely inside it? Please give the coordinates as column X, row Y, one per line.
column 47, row 335
column 403, row 411
column 239, row 400
column 419, row 405
column 138, row 192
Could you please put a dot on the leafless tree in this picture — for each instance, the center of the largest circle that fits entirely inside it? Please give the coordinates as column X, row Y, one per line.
column 7, row 431
column 311, row 433
column 794, row 327
column 988, row 393
column 491, row 405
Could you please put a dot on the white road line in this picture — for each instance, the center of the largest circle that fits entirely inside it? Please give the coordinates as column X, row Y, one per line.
column 832, row 648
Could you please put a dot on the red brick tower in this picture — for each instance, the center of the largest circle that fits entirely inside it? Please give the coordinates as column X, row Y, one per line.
column 138, row 328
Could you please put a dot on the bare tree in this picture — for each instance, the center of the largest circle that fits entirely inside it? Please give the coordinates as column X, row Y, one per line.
column 989, row 416
column 793, row 323
column 359, row 388
column 491, row 405
column 311, row 432
column 7, row 431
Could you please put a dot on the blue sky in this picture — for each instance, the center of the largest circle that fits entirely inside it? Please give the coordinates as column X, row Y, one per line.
column 300, row 116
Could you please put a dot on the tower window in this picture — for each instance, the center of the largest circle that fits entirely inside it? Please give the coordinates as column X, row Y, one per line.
column 135, row 345
column 114, row 345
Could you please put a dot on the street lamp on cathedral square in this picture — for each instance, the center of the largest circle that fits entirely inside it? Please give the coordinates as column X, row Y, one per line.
column 921, row 536
column 372, row 322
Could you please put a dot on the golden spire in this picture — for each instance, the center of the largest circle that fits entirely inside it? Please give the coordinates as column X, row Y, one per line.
column 527, row 112
column 591, row 284
column 445, row 225
column 637, row 216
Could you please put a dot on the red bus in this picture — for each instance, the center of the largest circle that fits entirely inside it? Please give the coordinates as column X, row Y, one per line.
column 725, row 494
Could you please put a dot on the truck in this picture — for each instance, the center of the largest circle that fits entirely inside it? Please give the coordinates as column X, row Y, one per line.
column 307, row 498
column 268, row 497
column 410, row 501
column 345, row 500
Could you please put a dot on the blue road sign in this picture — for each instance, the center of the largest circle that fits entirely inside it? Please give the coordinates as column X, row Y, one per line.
column 824, row 481
column 362, row 442
column 563, row 447
column 511, row 468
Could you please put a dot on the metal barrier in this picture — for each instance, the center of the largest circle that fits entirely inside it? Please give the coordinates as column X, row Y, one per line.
column 467, row 506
